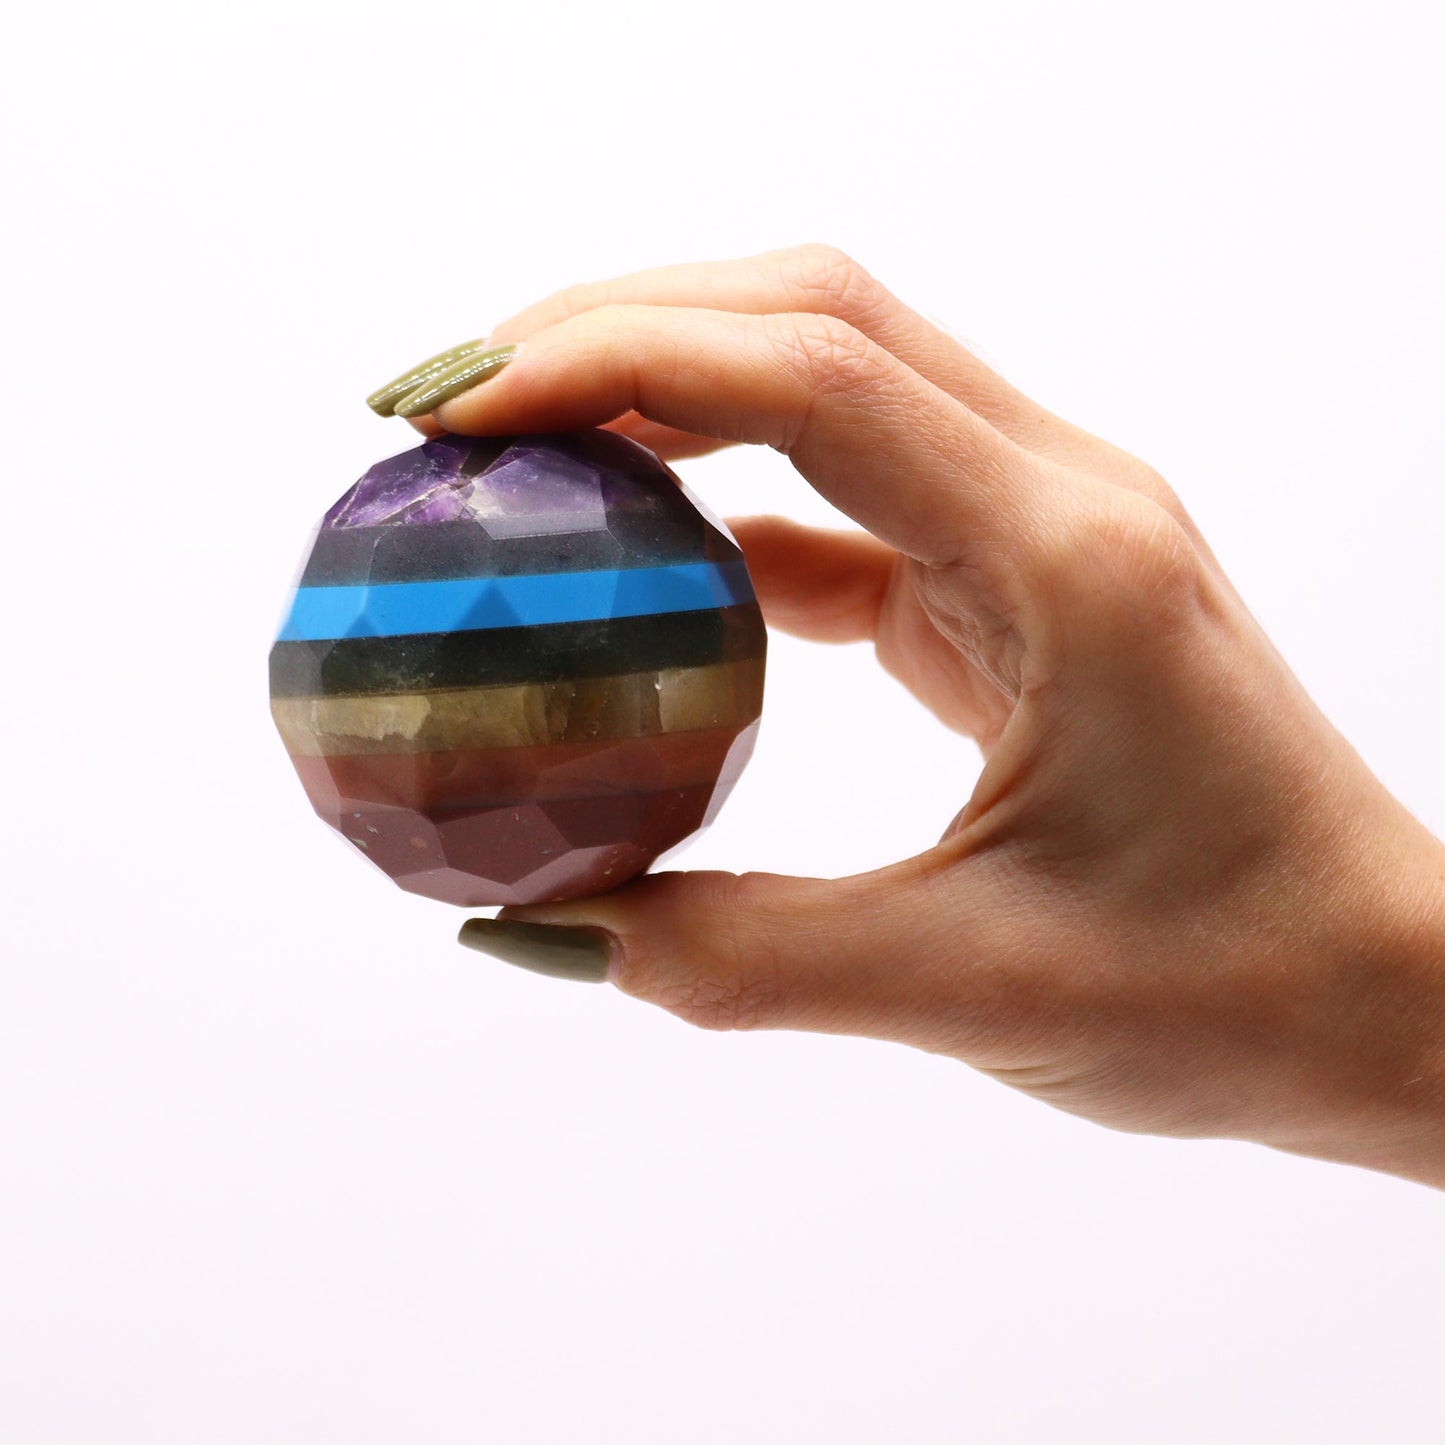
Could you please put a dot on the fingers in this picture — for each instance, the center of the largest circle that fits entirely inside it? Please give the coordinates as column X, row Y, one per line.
column 823, row 585
column 906, row 461
column 817, row 280
column 857, row 955
column 832, row 586
column 754, row 951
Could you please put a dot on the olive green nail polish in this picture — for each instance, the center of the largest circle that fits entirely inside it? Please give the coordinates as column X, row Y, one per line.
column 558, row 950
column 383, row 400
column 453, row 380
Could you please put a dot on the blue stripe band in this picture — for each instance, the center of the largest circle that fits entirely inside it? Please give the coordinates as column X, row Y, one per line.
column 393, row 609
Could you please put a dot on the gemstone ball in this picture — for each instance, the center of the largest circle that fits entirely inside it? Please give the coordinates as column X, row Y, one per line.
column 519, row 669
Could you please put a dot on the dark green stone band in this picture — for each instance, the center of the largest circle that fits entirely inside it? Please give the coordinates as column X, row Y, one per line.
column 424, row 661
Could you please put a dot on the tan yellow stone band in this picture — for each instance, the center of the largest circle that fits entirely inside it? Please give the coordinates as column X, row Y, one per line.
column 682, row 699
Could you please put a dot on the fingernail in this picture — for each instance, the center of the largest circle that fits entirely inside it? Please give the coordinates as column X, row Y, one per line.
column 555, row 949
column 383, row 400
column 453, row 380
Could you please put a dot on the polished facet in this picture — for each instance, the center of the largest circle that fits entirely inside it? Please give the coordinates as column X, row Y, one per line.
column 519, row 669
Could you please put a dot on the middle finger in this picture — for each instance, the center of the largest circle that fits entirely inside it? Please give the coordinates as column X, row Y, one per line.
column 819, row 280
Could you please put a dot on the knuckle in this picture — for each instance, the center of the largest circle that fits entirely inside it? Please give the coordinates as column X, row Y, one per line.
column 724, row 1002
column 1153, row 557
column 826, row 354
column 583, row 297
column 607, row 316
column 1138, row 476
column 1145, row 479
column 618, row 332
column 829, row 280
column 1122, row 565
column 737, row 984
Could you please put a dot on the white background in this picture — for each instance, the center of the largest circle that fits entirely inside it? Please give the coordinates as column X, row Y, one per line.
column 280, row 1162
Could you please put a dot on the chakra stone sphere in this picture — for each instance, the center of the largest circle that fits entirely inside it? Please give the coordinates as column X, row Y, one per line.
column 519, row 669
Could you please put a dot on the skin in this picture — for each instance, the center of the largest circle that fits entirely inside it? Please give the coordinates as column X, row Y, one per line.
column 1176, row 901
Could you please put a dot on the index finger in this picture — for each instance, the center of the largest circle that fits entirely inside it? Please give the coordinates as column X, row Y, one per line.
column 917, row 468
column 821, row 280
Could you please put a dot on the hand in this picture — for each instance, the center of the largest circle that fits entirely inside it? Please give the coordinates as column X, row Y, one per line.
column 1176, row 901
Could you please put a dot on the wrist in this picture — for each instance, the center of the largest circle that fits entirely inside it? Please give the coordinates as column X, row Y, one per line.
column 1380, row 1030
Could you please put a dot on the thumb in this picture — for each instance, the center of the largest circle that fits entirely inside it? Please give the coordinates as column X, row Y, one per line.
column 728, row 951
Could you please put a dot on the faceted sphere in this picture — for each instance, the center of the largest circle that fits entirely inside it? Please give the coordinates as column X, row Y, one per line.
column 519, row 669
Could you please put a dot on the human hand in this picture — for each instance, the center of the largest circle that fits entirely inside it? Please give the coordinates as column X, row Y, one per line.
column 1176, row 900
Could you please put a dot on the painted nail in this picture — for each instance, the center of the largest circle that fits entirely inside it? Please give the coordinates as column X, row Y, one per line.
column 453, row 380
column 552, row 948
column 383, row 400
